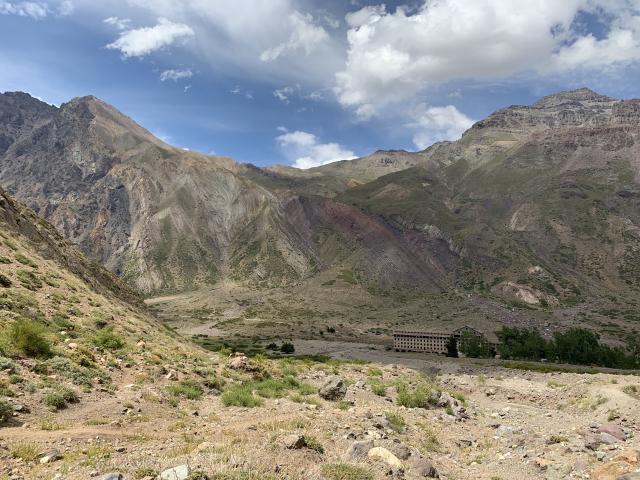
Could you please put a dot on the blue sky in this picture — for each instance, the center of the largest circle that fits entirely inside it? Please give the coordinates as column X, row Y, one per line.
column 305, row 82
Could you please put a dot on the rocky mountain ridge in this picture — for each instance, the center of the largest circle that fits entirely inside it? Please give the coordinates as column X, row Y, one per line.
column 543, row 186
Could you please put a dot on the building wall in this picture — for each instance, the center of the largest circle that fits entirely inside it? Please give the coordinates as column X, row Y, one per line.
column 421, row 342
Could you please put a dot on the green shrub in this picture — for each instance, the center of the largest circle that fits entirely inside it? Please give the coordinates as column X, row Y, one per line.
column 59, row 399
column 71, row 371
column 27, row 452
column 240, row 396
column 187, row 389
column 396, row 421
column 344, row 471
column 25, row 260
column 377, row 387
column 5, row 390
column 5, row 281
column 275, row 387
column 313, row 443
column 213, row 382
column 108, row 339
column 29, row 280
column 6, row 411
column 423, row 396
column 29, row 338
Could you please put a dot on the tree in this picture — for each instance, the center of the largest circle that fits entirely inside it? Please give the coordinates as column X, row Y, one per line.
column 522, row 344
column 287, row 347
column 475, row 346
column 452, row 347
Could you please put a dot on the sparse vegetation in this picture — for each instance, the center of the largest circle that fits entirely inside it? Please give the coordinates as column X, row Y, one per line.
column 6, row 410
column 396, row 421
column 29, row 338
column 186, row 389
column 344, row 471
column 108, row 339
column 422, row 396
column 27, row 452
column 240, row 396
column 60, row 398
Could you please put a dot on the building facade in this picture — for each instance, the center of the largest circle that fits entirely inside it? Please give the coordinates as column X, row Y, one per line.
column 430, row 342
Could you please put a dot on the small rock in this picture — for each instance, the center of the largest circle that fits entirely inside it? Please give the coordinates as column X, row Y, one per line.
column 181, row 472
column 112, row 476
column 359, row 450
column 50, row 456
column 293, row 441
column 424, row 468
column 401, row 451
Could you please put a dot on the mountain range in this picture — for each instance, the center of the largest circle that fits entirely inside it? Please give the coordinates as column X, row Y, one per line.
column 535, row 205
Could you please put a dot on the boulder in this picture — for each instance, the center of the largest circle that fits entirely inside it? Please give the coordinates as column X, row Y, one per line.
column 630, row 476
column 180, row 472
column 333, row 389
column 239, row 361
column 359, row 450
column 611, row 471
column 384, row 455
column 613, row 430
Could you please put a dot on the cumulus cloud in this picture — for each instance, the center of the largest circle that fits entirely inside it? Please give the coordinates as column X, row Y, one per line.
column 143, row 41
column 305, row 36
column 175, row 75
column 394, row 55
column 305, row 150
column 435, row 124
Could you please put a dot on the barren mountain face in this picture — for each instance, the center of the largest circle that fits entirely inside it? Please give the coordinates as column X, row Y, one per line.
column 535, row 204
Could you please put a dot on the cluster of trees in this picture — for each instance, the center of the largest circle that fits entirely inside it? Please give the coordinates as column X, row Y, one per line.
column 575, row 346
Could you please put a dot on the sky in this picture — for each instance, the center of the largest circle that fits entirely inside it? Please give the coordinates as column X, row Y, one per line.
column 307, row 82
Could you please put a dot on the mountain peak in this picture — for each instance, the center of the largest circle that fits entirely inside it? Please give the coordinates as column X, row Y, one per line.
column 581, row 95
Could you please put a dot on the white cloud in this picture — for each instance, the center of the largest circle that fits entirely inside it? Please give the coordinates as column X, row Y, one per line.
column 305, row 151
column 175, row 75
column 392, row 56
column 143, row 41
column 248, row 94
column 305, row 36
column 66, row 8
column 283, row 93
column 435, row 124
column 35, row 10
column 117, row 22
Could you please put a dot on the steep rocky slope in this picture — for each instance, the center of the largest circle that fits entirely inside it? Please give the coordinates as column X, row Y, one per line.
column 535, row 204
column 168, row 220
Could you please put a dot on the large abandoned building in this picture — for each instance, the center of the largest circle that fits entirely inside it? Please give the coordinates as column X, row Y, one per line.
column 431, row 342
